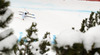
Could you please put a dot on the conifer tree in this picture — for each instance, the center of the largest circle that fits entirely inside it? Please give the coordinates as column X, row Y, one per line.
column 78, row 48
column 24, row 47
column 44, row 43
column 7, row 38
column 92, row 21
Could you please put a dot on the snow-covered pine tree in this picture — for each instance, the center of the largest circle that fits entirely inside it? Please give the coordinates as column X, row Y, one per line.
column 75, row 49
column 92, row 21
column 78, row 48
column 5, row 13
column 45, row 43
column 87, row 23
column 7, row 38
column 25, row 46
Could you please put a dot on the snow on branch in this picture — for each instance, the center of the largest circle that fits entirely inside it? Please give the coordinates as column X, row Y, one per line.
column 6, row 15
column 5, row 33
column 8, row 43
column 69, row 37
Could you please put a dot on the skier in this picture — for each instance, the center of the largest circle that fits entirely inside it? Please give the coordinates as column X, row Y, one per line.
column 24, row 14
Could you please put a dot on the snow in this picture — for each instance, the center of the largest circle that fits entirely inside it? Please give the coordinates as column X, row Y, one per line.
column 26, row 43
column 6, row 15
column 5, row 32
column 60, row 16
column 51, row 15
column 48, row 20
column 96, row 53
column 23, row 51
column 48, row 39
column 11, row 53
column 51, row 52
column 21, row 47
column 17, row 52
column 92, row 36
column 69, row 37
column 35, row 47
column 53, row 20
column 34, row 35
column 8, row 42
column 28, row 39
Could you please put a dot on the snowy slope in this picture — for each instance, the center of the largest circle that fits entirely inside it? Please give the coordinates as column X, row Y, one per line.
column 51, row 15
column 48, row 20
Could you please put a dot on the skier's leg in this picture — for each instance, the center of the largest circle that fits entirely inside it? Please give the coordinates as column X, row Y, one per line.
column 23, row 16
